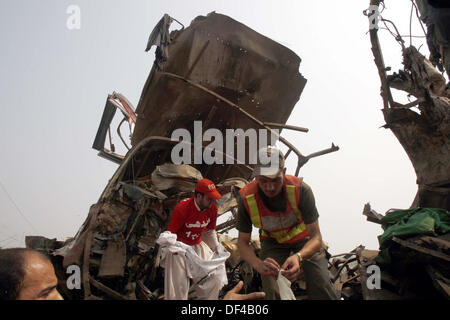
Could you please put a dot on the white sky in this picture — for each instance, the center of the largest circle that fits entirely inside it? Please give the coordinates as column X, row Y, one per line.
column 54, row 83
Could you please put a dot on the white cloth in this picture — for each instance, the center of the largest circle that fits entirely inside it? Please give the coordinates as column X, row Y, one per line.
column 203, row 270
column 284, row 286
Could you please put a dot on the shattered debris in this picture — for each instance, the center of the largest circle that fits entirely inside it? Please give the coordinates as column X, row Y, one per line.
column 219, row 72
column 226, row 75
column 413, row 260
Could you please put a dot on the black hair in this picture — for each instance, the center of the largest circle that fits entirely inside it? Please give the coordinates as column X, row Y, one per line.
column 12, row 271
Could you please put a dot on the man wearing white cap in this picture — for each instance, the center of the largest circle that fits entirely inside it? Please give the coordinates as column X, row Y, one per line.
column 283, row 208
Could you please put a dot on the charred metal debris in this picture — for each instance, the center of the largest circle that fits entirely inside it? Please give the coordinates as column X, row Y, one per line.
column 226, row 75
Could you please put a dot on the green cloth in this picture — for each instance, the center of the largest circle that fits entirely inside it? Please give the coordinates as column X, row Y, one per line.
column 411, row 222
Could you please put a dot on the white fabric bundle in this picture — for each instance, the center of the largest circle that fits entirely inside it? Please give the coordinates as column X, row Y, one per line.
column 197, row 267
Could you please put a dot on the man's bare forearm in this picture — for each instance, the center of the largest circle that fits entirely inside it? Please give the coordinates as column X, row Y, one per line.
column 311, row 247
column 315, row 242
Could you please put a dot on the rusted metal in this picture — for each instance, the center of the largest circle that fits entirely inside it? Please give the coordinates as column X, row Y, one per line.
column 111, row 145
column 125, row 106
column 285, row 126
column 110, row 292
column 85, row 268
column 429, row 252
column 344, row 264
column 301, row 159
column 202, row 51
column 120, row 135
column 142, row 211
column 248, row 87
column 441, row 283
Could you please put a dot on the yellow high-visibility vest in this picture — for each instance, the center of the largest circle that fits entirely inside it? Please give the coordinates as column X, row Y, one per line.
column 284, row 227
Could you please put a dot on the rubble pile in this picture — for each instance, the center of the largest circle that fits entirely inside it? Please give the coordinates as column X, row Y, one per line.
column 116, row 246
column 225, row 75
column 215, row 74
column 413, row 259
column 417, row 266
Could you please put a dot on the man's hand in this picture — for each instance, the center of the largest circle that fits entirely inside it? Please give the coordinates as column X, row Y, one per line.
column 233, row 294
column 268, row 267
column 291, row 268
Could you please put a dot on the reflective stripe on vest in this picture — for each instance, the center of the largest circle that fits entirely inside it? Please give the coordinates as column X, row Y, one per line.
column 254, row 211
column 282, row 235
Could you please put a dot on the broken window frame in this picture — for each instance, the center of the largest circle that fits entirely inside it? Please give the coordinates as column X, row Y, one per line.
column 113, row 102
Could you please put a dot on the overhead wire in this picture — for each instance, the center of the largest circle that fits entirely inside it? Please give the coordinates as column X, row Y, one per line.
column 17, row 208
column 8, row 238
column 404, row 35
column 397, row 36
column 418, row 17
column 410, row 25
column 6, row 232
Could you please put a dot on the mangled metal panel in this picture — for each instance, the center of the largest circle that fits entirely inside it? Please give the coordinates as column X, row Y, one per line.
column 219, row 72
column 227, row 57
column 222, row 73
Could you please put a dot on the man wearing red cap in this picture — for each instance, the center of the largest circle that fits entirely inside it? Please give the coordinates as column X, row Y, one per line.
column 190, row 219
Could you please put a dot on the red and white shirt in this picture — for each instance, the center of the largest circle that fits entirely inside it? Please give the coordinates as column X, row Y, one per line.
column 188, row 222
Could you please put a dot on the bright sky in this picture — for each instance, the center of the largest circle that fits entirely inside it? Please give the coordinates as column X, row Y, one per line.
column 54, row 83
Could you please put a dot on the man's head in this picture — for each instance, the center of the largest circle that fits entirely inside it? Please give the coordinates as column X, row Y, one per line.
column 206, row 194
column 26, row 274
column 269, row 171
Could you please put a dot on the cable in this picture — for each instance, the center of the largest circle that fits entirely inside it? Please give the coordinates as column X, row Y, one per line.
column 9, row 238
column 6, row 242
column 410, row 25
column 403, row 35
column 18, row 210
column 397, row 37
column 418, row 17
column 6, row 232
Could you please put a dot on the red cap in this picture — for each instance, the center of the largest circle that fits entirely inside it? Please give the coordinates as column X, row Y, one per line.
column 207, row 187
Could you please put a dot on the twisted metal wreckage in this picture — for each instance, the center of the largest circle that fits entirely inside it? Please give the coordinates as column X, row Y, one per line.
column 226, row 75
